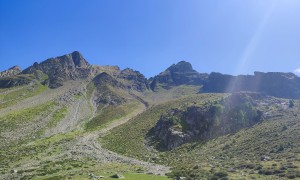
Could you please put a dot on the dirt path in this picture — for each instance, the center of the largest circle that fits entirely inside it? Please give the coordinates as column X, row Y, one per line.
column 87, row 145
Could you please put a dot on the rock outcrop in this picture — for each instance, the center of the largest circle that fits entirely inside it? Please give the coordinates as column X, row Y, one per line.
column 68, row 67
column 10, row 72
column 181, row 73
column 134, row 80
column 106, row 88
column 17, row 80
column 214, row 119
column 10, row 78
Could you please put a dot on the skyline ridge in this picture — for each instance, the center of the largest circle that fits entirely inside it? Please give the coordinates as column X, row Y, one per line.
column 295, row 72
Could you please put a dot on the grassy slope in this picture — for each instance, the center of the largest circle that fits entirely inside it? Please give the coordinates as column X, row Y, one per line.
column 128, row 139
column 106, row 114
column 277, row 138
column 11, row 98
column 34, row 150
column 109, row 114
column 17, row 118
column 164, row 95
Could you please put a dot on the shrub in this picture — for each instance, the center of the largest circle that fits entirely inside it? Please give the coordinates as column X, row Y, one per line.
column 291, row 104
column 221, row 174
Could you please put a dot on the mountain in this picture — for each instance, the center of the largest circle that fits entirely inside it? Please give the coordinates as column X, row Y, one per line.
column 68, row 67
column 283, row 85
column 181, row 73
column 64, row 118
column 208, row 121
column 10, row 72
column 135, row 80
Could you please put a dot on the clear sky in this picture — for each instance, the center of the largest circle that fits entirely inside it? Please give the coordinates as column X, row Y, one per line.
column 227, row 36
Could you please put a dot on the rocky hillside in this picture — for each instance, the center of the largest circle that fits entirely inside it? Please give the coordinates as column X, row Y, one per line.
column 64, row 118
column 134, row 80
column 10, row 72
column 57, row 70
column 181, row 73
column 105, row 90
column 284, row 85
column 208, row 121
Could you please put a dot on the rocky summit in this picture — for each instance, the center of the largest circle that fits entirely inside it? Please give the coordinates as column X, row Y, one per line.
column 68, row 67
column 177, row 74
column 64, row 118
column 10, row 72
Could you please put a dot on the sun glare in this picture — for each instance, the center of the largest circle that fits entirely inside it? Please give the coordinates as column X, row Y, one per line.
column 251, row 47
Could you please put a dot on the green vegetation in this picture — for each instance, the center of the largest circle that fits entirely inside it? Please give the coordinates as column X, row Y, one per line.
column 40, row 148
column 11, row 98
column 128, row 139
column 86, row 169
column 5, row 90
column 90, row 88
column 57, row 116
column 291, row 103
column 17, row 118
column 234, row 156
column 163, row 95
column 109, row 114
column 269, row 149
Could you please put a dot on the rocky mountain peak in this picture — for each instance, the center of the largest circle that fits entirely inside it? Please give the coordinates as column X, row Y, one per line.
column 59, row 69
column 78, row 60
column 10, row 72
column 181, row 66
column 178, row 74
column 15, row 68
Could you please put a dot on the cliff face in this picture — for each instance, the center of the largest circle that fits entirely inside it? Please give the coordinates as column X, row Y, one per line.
column 68, row 67
column 283, row 85
column 211, row 120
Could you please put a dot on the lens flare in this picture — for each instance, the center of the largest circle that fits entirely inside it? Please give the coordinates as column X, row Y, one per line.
column 249, row 50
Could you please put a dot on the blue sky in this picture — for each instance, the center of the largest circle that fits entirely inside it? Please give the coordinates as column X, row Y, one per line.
column 227, row 36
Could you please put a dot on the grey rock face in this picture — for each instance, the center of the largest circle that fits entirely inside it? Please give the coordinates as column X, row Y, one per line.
column 10, row 72
column 104, row 95
column 179, row 126
column 134, row 80
column 283, row 85
column 178, row 74
column 68, row 67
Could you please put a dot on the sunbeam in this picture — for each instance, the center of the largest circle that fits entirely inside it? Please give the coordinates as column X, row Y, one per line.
column 245, row 59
